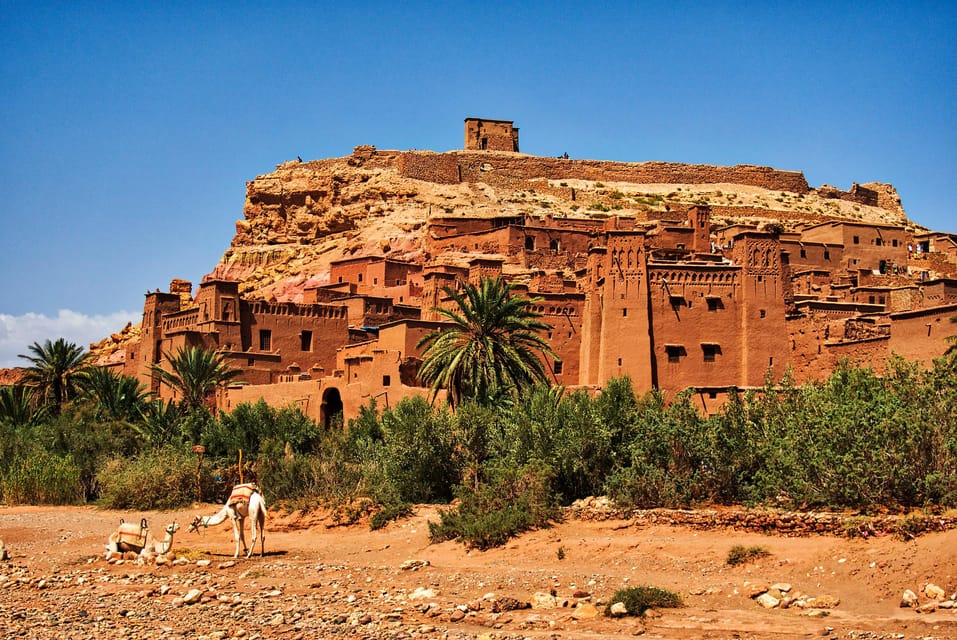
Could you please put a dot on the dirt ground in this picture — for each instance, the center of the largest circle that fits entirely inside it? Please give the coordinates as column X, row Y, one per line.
column 318, row 580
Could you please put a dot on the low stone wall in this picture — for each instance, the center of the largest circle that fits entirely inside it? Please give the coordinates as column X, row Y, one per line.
column 771, row 521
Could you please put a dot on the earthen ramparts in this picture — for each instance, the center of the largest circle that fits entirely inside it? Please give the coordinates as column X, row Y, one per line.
column 492, row 168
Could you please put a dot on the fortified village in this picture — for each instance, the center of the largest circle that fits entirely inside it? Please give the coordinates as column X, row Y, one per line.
column 678, row 276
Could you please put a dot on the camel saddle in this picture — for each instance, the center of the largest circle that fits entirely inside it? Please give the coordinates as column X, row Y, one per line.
column 133, row 534
column 242, row 493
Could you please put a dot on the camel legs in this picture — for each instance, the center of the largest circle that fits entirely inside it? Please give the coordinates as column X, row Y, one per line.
column 259, row 519
column 239, row 536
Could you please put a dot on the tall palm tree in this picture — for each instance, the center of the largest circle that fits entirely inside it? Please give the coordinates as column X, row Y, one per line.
column 196, row 372
column 56, row 371
column 491, row 348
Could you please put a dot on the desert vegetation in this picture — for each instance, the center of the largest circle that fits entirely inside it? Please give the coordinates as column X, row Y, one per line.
column 509, row 454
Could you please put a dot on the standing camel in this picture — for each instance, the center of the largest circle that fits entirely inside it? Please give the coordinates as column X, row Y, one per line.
column 245, row 501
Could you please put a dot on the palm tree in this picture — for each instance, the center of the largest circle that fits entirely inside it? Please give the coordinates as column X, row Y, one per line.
column 196, row 372
column 56, row 371
column 17, row 406
column 116, row 396
column 491, row 348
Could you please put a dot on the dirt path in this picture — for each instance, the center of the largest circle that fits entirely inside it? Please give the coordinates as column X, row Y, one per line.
column 318, row 581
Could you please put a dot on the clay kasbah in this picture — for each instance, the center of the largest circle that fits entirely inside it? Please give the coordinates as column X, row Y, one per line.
column 677, row 276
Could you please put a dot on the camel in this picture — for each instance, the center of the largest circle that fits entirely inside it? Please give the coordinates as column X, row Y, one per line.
column 139, row 540
column 245, row 501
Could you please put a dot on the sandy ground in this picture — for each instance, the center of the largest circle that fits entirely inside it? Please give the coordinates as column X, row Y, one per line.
column 319, row 580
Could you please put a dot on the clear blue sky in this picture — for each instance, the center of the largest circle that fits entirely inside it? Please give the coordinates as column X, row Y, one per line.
column 129, row 130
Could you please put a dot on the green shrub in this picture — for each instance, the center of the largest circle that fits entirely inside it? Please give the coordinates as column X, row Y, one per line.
column 162, row 478
column 513, row 501
column 388, row 513
column 40, row 477
column 638, row 600
column 739, row 554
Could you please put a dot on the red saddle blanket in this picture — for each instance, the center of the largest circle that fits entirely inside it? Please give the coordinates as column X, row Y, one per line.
column 242, row 493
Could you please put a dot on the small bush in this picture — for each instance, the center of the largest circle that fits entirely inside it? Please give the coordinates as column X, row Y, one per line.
column 513, row 501
column 739, row 554
column 638, row 600
column 388, row 513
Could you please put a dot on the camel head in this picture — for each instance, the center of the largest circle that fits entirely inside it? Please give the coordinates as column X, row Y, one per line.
column 172, row 528
column 194, row 525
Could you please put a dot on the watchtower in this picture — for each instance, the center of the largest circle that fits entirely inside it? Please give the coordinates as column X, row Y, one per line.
column 490, row 135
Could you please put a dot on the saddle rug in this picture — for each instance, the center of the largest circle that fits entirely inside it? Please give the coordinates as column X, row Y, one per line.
column 132, row 534
column 242, row 493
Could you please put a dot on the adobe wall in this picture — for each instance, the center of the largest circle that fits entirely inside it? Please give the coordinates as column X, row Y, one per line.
column 682, row 320
column 564, row 313
column 493, row 168
column 922, row 335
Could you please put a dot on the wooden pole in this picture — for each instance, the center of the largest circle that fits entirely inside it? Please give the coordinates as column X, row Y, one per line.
column 240, row 466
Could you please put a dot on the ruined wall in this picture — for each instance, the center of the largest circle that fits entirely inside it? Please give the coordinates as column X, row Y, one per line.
column 441, row 168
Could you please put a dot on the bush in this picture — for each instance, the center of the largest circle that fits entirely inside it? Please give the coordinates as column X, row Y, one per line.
column 513, row 501
column 739, row 554
column 162, row 478
column 638, row 600
column 42, row 478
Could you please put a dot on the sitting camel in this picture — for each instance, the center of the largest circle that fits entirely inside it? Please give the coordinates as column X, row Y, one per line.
column 245, row 501
column 138, row 539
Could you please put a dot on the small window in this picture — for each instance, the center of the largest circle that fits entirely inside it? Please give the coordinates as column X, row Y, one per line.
column 619, row 362
column 375, row 281
column 675, row 351
column 710, row 351
column 880, row 300
column 857, row 240
column 827, row 254
column 712, row 394
column 265, row 340
column 803, row 253
column 624, row 313
column 879, row 242
column 763, row 313
column 553, row 245
column 529, row 243
column 306, row 340
column 340, row 278
column 894, row 242
column 249, row 362
column 714, row 304
column 870, row 300
column 557, row 367
column 360, row 277
column 386, row 381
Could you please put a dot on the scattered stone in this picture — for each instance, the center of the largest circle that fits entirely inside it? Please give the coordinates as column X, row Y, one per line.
column 767, row 601
column 414, row 565
column 781, row 587
column 817, row 613
column 193, row 595
column 509, row 604
column 422, row 593
column 928, row 607
column 934, row 592
column 541, row 600
column 618, row 609
column 908, row 599
column 203, row 563
column 277, row 620
column 457, row 615
column 824, row 602
column 585, row 611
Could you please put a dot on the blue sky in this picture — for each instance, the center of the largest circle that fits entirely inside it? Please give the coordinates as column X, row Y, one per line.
column 129, row 130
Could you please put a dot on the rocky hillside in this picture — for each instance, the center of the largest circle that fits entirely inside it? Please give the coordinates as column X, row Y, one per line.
column 302, row 216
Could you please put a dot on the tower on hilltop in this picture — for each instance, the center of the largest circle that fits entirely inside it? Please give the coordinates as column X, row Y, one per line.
column 490, row 135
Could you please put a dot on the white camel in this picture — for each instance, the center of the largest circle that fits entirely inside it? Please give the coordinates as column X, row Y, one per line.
column 245, row 501
column 139, row 540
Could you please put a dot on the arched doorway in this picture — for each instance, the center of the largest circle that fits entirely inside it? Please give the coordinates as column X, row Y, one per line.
column 330, row 412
